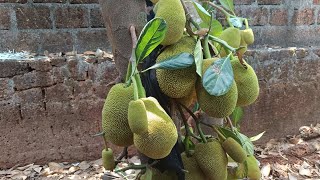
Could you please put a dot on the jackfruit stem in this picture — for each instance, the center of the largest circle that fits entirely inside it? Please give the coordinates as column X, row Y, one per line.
column 135, row 88
column 203, row 138
column 188, row 16
column 246, row 23
column 228, row 15
column 214, row 128
column 205, row 45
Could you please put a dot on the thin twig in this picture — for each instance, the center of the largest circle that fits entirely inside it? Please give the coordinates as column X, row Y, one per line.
column 214, row 128
column 230, row 123
column 188, row 16
column 123, row 154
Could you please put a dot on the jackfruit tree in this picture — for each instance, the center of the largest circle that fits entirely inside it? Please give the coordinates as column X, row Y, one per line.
column 179, row 74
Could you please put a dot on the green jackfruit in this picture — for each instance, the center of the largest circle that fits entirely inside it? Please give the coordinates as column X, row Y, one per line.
column 232, row 36
column 157, row 175
column 248, row 36
column 180, row 82
column 234, row 150
column 247, row 82
column 194, row 171
column 173, row 13
column 189, row 99
column 253, row 170
column 137, row 117
column 162, row 134
column 212, row 160
column 108, row 159
column 216, row 106
column 115, row 115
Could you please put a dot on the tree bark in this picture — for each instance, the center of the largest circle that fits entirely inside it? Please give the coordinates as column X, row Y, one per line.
column 118, row 16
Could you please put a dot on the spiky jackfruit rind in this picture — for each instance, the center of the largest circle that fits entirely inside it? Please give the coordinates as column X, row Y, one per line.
column 232, row 36
column 216, row 106
column 180, row 82
column 162, row 134
column 248, row 36
column 247, row 83
column 173, row 13
column 194, row 171
column 234, row 150
column 137, row 117
column 212, row 160
column 115, row 115
column 108, row 159
column 189, row 99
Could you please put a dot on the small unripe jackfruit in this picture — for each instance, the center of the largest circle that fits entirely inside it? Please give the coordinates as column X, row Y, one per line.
column 234, row 150
column 248, row 36
column 216, row 106
column 108, row 159
column 247, row 82
column 137, row 117
column 177, row 83
column 194, row 171
column 232, row 36
column 212, row 160
column 173, row 13
column 253, row 170
column 115, row 115
column 162, row 134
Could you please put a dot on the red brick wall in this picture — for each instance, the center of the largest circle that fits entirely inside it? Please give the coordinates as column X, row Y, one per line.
column 64, row 25
column 53, row 25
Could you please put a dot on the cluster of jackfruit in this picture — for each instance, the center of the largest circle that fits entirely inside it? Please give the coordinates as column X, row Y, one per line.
column 155, row 134
column 249, row 169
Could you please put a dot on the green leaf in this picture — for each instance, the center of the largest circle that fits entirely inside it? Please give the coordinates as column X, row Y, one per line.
column 236, row 21
column 216, row 27
column 222, row 42
column 257, row 137
column 198, row 57
column 150, row 37
column 228, row 4
column 180, row 61
column 246, row 143
column 237, row 115
column 229, row 133
column 218, row 78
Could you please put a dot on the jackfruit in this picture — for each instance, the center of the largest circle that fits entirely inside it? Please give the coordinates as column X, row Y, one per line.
column 253, row 170
column 243, row 44
column 247, row 82
column 216, row 106
column 115, row 115
column 157, row 175
column 173, row 13
column 137, row 117
column 108, row 159
column 162, row 134
column 194, row 171
column 189, row 99
column 177, row 83
column 234, row 150
column 248, row 36
column 212, row 160
column 232, row 36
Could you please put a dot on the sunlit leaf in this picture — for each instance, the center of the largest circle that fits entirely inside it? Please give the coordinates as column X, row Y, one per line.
column 179, row 61
column 150, row 37
column 198, row 57
column 236, row 21
column 257, row 137
column 228, row 4
column 229, row 133
column 246, row 143
column 218, row 78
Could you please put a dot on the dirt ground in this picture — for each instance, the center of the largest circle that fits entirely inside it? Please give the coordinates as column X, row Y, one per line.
column 293, row 157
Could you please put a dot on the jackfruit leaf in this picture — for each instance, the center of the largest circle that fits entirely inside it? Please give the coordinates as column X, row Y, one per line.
column 198, row 57
column 150, row 37
column 229, row 133
column 148, row 174
column 257, row 137
column 236, row 21
column 237, row 115
column 246, row 143
column 216, row 27
column 228, row 4
column 218, row 78
column 180, row 61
